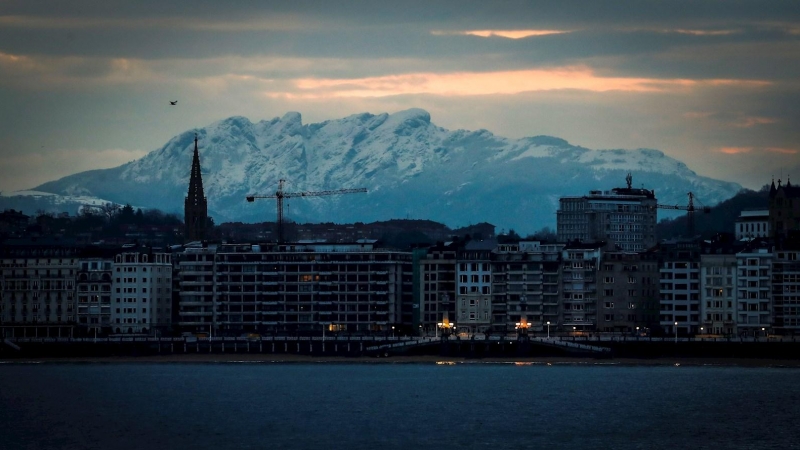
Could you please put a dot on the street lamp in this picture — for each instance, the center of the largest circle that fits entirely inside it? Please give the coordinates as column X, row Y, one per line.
column 393, row 331
column 676, row 332
column 420, row 330
column 548, row 329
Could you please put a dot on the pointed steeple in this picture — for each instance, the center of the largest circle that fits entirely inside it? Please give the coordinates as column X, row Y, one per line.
column 772, row 189
column 195, row 205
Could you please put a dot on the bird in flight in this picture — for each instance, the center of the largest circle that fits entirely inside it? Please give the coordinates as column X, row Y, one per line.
column 173, row 103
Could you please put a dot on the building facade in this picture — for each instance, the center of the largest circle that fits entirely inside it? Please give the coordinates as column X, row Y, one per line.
column 754, row 302
column 94, row 285
column 718, row 294
column 438, row 287
column 624, row 217
column 294, row 289
column 474, row 285
column 628, row 301
column 37, row 288
column 752, row 224
column 142, row 294
column 679, row 290
column 786, row 292
column 579, row 286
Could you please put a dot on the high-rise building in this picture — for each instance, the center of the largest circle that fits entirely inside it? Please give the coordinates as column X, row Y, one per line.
column 625, row 217
column 195, row 204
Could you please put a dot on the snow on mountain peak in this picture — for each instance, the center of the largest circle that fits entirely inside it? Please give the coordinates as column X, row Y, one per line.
column 411, row 167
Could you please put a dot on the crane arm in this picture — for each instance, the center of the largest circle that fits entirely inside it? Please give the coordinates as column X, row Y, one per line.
column 321, row 193
column 682, row 208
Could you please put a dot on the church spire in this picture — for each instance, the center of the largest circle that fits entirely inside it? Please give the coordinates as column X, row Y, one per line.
column 195, row 205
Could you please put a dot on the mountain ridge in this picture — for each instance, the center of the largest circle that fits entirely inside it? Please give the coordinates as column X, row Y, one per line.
column 411, row 167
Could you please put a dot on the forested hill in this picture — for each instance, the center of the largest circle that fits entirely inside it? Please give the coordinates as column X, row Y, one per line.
column 721, row 218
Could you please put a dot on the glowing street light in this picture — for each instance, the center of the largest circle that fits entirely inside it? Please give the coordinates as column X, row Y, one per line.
column 676, row 332
column 548, row 329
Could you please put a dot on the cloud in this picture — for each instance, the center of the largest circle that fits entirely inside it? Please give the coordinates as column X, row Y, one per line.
column 739, row 150
column 747, row 122
column 277, row 22
column 703, row 32
column 491, row 83
column 509, row 34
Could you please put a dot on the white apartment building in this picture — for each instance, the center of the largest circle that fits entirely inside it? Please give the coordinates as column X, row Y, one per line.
column 752, row 224
column 141, row 301
column 718, row 295
column 754, row 278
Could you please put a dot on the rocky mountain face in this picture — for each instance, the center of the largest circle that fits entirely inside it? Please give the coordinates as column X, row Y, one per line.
column 411, row 167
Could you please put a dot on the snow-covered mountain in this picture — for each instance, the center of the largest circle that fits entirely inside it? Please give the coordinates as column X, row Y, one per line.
column 411, row 167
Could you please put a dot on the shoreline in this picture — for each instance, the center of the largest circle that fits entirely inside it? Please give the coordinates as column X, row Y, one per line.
column 440, row 360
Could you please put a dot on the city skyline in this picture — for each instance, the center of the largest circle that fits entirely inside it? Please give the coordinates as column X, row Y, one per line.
column 87, row 85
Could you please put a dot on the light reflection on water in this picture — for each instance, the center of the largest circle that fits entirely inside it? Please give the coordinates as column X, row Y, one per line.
column 396, row 406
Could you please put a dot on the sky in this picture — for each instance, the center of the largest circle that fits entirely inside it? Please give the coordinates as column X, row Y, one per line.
column 716, row 84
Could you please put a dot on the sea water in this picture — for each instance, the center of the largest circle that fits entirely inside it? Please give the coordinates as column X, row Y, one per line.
column 396, row 406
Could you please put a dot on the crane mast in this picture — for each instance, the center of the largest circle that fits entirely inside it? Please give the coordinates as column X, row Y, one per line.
column 280, row 195
column 690, row 209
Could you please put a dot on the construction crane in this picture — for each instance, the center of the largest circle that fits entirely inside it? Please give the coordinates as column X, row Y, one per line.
column 690, row 209
column 280, row 194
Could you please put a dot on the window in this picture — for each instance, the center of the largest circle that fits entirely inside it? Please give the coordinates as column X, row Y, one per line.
column 632, row 280
column 609, row 305
column 608, row 280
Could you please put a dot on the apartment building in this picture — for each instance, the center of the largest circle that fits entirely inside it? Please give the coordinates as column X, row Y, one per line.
column 297, row 288
column 625, row 217
column 196, row 302
column 437, row 283
column 579, row 285
column 94, row 286
column 525, row 286
column 141, row 301
column 752, row 224
column 754, row 299
column 474, row 286
column 628, row 301
column 786, row 292
column 718, row 293
column 679, row 270
column 37, row 287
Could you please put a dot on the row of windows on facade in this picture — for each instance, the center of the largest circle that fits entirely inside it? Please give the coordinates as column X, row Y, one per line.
column 752, row 227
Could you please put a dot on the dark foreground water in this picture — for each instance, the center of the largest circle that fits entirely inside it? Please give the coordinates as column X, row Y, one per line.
column 396, row 406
